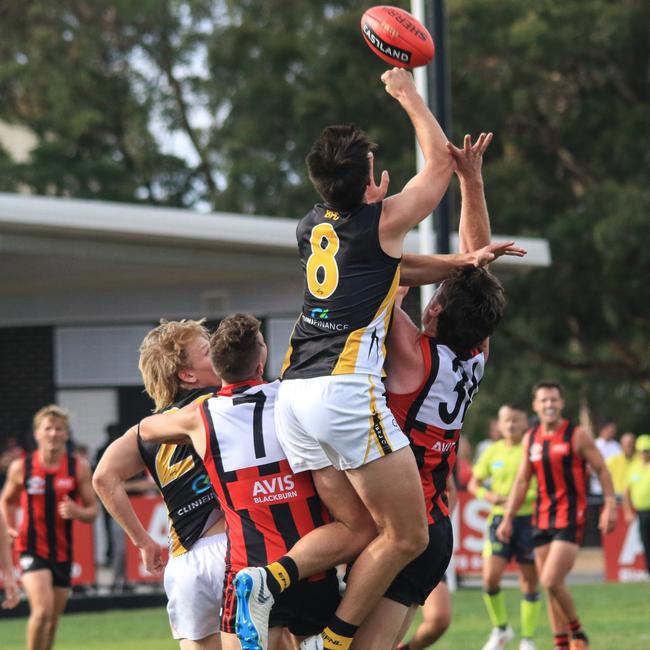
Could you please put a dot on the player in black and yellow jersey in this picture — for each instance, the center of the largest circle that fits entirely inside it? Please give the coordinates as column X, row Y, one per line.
column 176, row 369
column 331, row 412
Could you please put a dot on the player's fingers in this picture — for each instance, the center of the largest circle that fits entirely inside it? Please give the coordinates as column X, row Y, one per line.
column 454, row 150
column 486, row 142
column 371, row 162
column 467, row 143
column 383, row 183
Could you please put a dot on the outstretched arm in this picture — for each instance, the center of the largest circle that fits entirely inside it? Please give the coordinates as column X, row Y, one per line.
column 474, row 227
column 423, row 192
column 416, row 270
column 183, row 427
column 120, row 462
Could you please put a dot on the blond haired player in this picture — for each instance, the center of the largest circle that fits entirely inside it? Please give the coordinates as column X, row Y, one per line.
column 176, row 369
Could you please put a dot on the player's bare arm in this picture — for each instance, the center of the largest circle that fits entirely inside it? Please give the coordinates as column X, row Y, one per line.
column 423, row 192
column 85, row 511
column 474, row 230
column 183, row 427
column 12, row 594
column 586, row 447
column 476, row 488
column 404, row 363
column 452, row 493
column 518, row 494
column 418, row 270
column 10, row 497
column 120, row 462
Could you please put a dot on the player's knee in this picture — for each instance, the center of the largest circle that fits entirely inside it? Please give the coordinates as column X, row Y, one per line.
column 552, row 584
column 412, row 543
column 41, row 616
column 438, row 625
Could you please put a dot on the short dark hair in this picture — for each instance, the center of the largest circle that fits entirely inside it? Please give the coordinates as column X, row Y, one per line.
column 234, row 347
column 338, row 165
column 515, row 406
column 548, row 383
column 472, row 302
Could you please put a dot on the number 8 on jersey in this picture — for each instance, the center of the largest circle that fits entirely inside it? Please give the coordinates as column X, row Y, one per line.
column 323, row 258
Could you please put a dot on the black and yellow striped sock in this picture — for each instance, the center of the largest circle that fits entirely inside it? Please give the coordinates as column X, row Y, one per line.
column 281, row 575
column 338, row 634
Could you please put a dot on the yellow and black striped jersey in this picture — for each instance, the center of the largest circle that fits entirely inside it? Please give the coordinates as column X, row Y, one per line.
column 183, row 481
column 350, row 287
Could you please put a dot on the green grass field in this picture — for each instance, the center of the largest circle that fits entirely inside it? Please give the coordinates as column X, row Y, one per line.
column 616, row 617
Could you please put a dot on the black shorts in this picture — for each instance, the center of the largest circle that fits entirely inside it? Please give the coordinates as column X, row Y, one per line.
column 61, row 571
column 520, row 545
column 305, row 608
column 573, row 534
column 417, row 580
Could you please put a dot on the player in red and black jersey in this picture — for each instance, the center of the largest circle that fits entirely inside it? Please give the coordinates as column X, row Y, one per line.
column 556, row 451
column 53, row 487
column 432, row 377
column 267, row 507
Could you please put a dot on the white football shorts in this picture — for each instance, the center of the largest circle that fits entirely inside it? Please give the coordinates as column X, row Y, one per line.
column 194, row 588
column 338, row 420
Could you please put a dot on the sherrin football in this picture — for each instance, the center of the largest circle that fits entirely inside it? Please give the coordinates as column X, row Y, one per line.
column 397, row 37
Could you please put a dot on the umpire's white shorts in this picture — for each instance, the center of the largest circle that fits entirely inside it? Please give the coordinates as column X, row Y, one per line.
column 194, row 588
column 339, row 420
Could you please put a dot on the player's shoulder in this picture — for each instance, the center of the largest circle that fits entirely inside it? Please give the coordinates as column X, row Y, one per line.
column 16, row 468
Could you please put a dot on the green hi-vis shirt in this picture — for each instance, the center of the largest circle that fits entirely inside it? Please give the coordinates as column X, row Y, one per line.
column 500, row 463
column 639, row 484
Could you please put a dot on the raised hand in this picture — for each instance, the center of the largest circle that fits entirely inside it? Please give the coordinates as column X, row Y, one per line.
column 483, row 256
column 398, row 82
column 469, row 159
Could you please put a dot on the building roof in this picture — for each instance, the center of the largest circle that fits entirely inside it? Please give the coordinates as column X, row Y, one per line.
column 107, row 221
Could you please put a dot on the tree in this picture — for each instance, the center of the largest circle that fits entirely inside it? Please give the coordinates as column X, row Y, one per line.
column 564, row 85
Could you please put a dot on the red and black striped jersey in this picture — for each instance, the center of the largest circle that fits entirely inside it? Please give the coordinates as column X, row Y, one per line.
column 432, row 416
column 267, row 507
column 350, row 287
column 43, row 532
column 561, row 478
column 183, row 481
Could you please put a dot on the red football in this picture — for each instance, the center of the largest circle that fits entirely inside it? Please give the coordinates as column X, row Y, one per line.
column 397, row 37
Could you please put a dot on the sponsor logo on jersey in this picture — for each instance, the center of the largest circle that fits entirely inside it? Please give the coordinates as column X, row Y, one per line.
column 389, row 50
column 195, row 505
column 278, row 488
column 317, row 312
column 443, row 447
column 332, row 214
column 201, row 484
column 35, row 485
column 322, row 322
column 64, row 483
column 535, row 453
column 561, row 448
column 497, row 464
